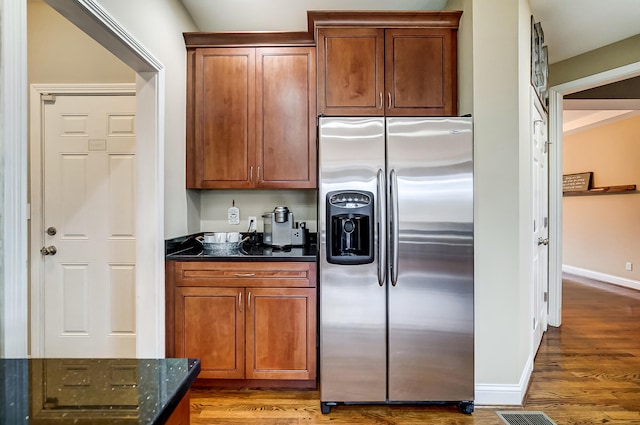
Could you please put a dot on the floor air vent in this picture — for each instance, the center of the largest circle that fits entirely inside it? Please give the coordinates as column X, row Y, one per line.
column 525, row 418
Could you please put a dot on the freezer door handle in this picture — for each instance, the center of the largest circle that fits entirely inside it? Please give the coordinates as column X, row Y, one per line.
column 381, row 224
column 393, row 194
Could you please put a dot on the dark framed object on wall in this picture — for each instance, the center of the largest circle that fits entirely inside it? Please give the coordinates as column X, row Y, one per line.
column 539, row 63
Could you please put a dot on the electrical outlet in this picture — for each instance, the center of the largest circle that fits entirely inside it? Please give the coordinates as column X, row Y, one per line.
column 252, row 224
column 629, row 266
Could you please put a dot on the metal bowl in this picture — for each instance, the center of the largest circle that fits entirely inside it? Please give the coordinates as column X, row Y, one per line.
column 221, row 249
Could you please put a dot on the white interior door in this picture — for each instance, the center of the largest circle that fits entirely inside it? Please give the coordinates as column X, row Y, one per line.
column 88, row 214
column 540, row 180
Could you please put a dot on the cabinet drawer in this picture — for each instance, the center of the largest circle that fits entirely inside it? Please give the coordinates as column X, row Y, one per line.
column 249, row 274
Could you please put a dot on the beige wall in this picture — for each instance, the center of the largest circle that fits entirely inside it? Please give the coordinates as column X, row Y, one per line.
column 498, row 42
column 609, row 57
column 465, row 55
column 158, row 25
column 602, row 232
column 215, row 204
column 59, row 52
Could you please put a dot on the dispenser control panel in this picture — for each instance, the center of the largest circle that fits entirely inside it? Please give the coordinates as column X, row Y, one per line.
column 350, row 199
column 350, row 223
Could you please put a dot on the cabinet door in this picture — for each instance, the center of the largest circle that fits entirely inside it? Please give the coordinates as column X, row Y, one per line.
column 350, row 71
column 210, row 326
column 224, row 117
column 420, row 72
column 281, row 333
column 285, row 115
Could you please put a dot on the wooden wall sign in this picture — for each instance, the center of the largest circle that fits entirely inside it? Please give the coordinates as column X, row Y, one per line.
column 577, row 182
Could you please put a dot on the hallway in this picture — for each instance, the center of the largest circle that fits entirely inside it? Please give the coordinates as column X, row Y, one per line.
column 586, row 372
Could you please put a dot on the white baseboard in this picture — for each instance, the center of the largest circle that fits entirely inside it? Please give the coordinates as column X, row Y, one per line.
column 504, row 394
column 615, row 280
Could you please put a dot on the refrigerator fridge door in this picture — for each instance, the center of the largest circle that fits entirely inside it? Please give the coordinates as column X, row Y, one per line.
column 352, row 297
column 430, row 173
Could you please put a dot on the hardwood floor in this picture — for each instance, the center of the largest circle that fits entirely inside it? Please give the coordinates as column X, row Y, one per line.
column 586, row 372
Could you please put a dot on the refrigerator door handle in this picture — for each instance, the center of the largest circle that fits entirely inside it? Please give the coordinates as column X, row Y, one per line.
column 381, row 223
column 393, row 192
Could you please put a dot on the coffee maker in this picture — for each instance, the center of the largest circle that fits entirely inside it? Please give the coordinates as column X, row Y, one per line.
column 280, row 231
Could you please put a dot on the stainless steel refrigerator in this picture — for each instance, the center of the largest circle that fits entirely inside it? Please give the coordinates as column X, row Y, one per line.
column 396, row 260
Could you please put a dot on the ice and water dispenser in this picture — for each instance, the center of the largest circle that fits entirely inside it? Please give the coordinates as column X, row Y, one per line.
column 350, row 223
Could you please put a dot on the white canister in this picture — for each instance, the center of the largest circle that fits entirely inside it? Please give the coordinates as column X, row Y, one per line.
column 215, row 237
column 233, row 237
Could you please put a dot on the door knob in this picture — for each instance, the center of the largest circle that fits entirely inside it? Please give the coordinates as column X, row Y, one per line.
column 542, row 241
column 48, row 250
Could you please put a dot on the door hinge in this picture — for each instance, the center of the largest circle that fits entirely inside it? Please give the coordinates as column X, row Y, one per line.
column 534, row 323
column 48, row 98
column 546, row 296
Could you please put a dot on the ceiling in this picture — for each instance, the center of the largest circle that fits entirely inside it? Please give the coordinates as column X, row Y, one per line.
column 283, row 15
column 571, row 27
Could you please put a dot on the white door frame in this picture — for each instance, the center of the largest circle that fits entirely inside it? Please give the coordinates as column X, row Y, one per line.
column 556, row 94
column 36, row 161
column 150, row 88
column 13, row 194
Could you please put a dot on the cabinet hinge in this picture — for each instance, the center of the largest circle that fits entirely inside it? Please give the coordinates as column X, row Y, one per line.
column 546, row 297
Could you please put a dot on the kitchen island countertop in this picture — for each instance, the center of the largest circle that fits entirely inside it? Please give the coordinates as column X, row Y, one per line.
column 93, row 391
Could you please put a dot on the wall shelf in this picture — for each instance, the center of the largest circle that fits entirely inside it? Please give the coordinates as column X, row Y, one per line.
column 604, row 190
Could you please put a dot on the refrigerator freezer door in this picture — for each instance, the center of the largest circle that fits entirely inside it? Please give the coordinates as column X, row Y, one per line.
column 352, row 302
column 431, row 305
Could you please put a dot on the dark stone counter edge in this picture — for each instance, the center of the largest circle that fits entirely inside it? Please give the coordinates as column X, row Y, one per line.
column 184, row 388
column 244, row 258
column 179, row 248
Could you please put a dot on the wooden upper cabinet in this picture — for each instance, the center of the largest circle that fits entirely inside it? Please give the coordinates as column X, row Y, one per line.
column 386, row 63
column 285, row 111
column 250, row 115
column 420, row 72
column 224, row 112
column 350, row 71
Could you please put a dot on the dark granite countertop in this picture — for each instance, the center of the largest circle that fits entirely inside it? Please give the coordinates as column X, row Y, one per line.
column 93, row 391
column 187, row 248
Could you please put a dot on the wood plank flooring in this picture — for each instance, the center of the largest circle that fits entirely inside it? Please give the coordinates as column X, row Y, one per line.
column 586, row 372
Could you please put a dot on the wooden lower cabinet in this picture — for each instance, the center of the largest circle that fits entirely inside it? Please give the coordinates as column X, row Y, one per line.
column 255, row 331
column 280, row 333
column 210, row 326
column 182, row 414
